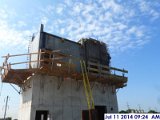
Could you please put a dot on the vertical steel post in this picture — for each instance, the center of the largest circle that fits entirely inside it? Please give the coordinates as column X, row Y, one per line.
column 6, row 108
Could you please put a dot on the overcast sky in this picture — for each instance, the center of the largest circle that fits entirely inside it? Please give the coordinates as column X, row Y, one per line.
column 130, row 28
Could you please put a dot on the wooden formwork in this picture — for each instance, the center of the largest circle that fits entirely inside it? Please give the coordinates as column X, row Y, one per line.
column 55, row 63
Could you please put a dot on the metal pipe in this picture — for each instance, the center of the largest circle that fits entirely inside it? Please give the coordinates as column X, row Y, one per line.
column 6, row 108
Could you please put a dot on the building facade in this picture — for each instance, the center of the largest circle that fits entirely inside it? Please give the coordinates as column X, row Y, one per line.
column 52, row 85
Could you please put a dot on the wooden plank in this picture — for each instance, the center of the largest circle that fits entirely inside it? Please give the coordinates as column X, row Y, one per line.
column 98, row 65
column 43, row 51
column 43, row 60
column 104, row 72
column 23, row 62
column 109, row 68
column 56, row 52
column 118, row 81
column 91, row 63
column 39, row 55
column 105, row 67
column 62, row 54
column 22, row 54
column 93, row 69
column 49, row 51
column 120, row 70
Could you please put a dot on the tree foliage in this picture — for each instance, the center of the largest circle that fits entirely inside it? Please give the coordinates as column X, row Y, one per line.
column 152, row 111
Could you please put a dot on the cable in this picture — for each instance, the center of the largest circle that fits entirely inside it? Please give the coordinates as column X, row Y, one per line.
column 15, row 89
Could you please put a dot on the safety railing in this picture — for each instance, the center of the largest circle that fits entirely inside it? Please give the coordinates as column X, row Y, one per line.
column 50, row 60
column 100, row 70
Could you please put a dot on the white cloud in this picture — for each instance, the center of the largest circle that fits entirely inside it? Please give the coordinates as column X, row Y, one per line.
column 48, row 10
column 59, row 9
column 10, row 37
column 44, row 20
column 62, row 31
column 109, row 21
column 3, row 14
column 68, row 2
column 132, row 30
column 21, row 24
column 114, row 22
column 111, row 4
column 146, row 8
column 77, row 8
column 137, row 31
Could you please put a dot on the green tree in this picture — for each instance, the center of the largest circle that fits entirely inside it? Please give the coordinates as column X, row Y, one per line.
column 123, row 111
column 152, row 111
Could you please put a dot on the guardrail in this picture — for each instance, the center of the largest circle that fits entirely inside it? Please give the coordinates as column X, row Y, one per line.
column 100, row 69
column 44, row 58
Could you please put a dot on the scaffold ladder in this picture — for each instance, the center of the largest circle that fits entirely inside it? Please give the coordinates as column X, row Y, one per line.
column 87, row 87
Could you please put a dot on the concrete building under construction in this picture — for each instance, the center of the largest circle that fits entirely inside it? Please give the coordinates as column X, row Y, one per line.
column 64, row 80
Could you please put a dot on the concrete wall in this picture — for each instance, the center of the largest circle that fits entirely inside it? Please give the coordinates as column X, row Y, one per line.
column 64, row 103
column 25, row 103
column 34, row 47
column 68, row 47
